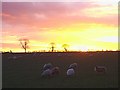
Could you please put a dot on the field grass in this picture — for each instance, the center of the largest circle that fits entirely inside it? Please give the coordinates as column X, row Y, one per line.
column 25, row 71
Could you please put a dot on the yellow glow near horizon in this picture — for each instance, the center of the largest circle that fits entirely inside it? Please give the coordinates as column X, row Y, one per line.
column 98, row 37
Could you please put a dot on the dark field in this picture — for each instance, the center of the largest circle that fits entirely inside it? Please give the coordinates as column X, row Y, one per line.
column 25, row 71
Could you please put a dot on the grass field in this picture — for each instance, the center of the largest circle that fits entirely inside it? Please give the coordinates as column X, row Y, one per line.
column 25, row 71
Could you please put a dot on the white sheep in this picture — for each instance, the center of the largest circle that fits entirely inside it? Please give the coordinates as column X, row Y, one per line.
column 50, row 72
column 73, row 65
column 70, row 72
column 47, row 66
column 46, row 73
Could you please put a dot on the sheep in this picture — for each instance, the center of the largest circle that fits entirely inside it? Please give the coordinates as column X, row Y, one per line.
column 46, row 73
column 70, row 72
column 47, row 66
column 55, row 70
column 100, row 69
column 50, row 72
column 73, row 65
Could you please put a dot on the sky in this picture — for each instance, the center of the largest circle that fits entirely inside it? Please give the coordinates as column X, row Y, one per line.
column 84, row 25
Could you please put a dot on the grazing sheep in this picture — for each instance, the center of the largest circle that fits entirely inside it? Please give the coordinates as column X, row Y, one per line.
column 70, row 72
column 46, row 73
column 47, row 66
column 55, row 71
column 100, row 69
column 50, row 72
column 73, row 65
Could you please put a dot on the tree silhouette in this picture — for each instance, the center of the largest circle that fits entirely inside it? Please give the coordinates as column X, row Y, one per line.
column 10, row 51
column 24, row 43
column 52, row 46
column 65, row 46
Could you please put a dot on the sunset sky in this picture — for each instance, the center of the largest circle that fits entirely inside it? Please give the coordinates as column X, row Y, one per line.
column 84, row 25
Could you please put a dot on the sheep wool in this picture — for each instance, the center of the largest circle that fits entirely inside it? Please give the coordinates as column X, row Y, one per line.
column 70, row 72
column 47, row 72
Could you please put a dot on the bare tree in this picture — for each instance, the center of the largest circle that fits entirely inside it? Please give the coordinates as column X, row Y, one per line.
column 10, row 51
column 65, row 46
column 24, row 43
column 52, row 46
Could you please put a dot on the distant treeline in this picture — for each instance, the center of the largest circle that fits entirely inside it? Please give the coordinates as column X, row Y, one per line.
column 61, row 52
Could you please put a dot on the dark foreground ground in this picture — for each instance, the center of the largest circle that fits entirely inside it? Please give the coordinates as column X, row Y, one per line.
column 24, row 72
